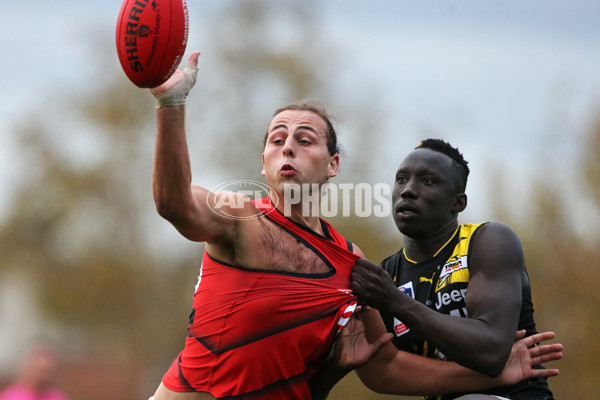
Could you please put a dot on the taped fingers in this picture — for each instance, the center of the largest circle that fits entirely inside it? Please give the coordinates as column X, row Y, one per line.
column 176, row 95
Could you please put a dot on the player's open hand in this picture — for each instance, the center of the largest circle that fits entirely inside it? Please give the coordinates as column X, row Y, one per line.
column 525, row 354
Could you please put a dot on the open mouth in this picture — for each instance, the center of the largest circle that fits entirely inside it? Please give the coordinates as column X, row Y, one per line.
column 287, row 169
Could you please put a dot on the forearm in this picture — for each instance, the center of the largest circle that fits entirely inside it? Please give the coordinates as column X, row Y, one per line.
column 473, row 343
column 397, row 372
column 411, row 375
column 172, row 173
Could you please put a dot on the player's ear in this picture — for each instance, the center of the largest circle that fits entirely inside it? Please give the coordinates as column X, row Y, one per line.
column 334, row 164
column 460, row 203
column 262, row 172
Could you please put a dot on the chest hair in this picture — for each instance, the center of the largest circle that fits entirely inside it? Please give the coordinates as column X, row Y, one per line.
column 283, row 252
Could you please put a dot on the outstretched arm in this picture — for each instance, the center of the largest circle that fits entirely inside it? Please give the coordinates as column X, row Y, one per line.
column 384, row 369
column 397, row 372
column 172, row 176
column 188, row 207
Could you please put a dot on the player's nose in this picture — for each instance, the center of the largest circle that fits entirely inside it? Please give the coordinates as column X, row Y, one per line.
column 289, row 149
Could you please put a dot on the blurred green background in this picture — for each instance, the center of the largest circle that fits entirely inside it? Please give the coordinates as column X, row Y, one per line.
column 86, row 262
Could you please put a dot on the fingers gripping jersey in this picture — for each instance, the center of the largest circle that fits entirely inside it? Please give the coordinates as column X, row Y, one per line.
column 257, row 334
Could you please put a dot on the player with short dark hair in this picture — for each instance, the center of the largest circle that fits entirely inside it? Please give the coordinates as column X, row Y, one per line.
column 464, row 289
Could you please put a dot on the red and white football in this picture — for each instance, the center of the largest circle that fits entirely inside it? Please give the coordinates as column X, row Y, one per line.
column 151, row 39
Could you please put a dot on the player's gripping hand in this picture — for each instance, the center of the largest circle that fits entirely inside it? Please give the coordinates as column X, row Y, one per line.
column 351, row 349
column 175, row 90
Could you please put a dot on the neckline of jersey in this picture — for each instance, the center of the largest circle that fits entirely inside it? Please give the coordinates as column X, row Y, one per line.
column 436, row 253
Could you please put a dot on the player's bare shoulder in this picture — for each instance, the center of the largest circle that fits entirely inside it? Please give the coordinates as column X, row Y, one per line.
column 239, row 221
column 497, row 234
column 232, row 206
column 496, row 249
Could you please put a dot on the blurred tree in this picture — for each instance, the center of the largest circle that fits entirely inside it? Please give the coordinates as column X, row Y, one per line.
column 591, row 165
column 561, row 259
column 81, row 226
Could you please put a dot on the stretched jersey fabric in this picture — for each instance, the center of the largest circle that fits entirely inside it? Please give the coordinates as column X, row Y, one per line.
column 258, row 334
column 441, row 284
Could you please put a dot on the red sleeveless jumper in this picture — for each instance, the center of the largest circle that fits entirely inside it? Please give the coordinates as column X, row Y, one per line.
column 258, row 334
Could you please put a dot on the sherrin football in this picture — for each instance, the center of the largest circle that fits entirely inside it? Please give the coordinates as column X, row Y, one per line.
column 151, row 39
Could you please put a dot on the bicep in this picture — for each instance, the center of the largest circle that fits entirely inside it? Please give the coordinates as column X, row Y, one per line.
column 494, row 292
column 213, row 216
